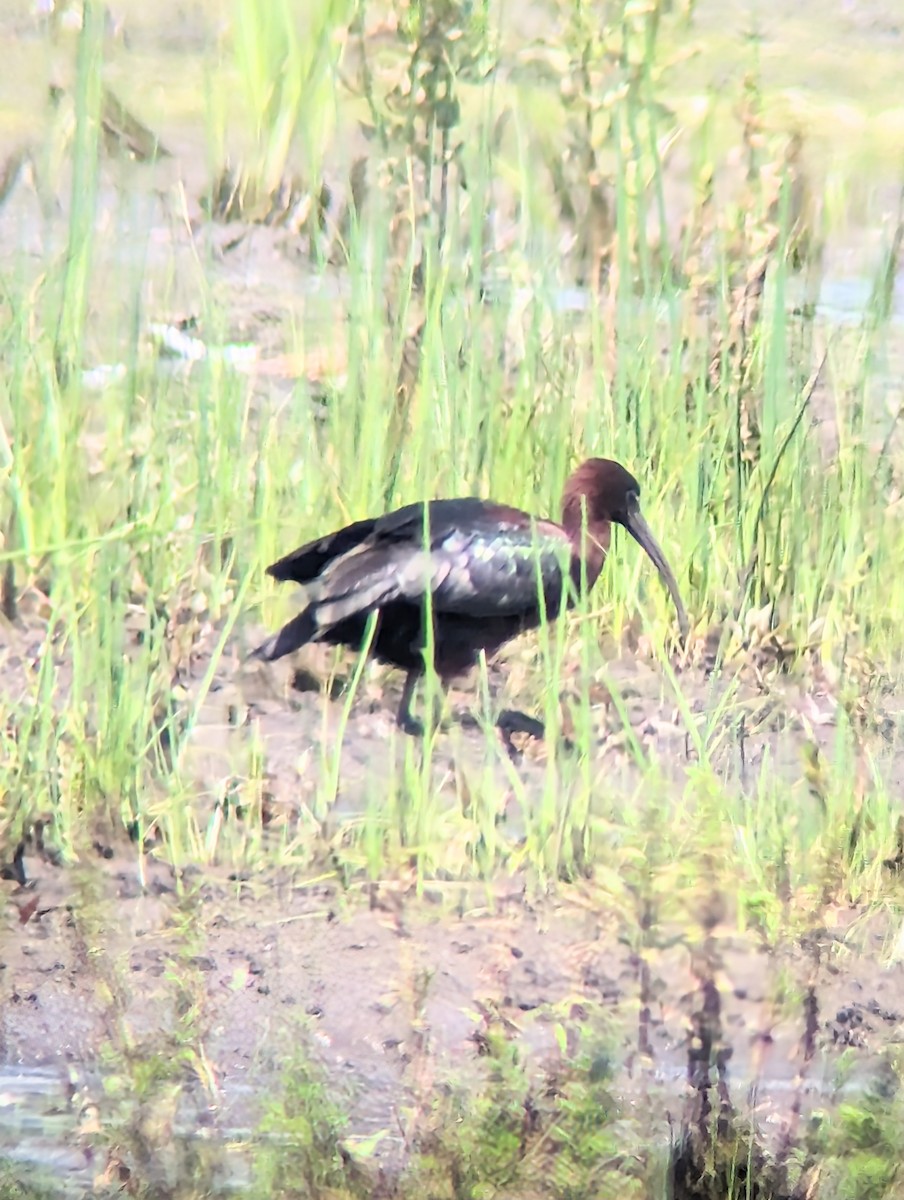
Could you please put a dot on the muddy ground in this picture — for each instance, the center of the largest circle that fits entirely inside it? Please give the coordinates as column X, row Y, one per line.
column 392, row 994
column 121, row 959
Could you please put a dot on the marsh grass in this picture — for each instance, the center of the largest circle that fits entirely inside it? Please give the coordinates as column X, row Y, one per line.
column 136, row 519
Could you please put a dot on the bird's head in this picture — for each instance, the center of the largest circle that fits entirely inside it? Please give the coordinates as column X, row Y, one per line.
column 607, row 493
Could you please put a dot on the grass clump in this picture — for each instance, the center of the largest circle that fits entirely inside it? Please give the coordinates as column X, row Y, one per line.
column 476, row 1139
column 301, row 1153
column 519, row 1131
column 859, row 1147
column 40, row 1184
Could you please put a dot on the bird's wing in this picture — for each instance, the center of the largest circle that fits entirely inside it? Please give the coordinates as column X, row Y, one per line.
column 308, row 561
column 478, row 558
column 440, row 517
column 501, row 568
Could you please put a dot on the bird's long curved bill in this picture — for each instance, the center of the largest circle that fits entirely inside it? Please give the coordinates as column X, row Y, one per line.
column 642, row 534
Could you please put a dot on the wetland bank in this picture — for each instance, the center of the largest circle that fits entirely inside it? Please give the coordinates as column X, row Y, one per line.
column 265, row 269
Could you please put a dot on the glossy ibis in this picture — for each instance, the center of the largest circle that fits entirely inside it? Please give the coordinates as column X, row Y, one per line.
column 489, row 571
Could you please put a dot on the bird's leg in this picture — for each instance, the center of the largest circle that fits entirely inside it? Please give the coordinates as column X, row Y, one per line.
column 404, row 719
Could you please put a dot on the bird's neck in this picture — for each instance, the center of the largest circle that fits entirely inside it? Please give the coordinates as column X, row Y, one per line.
column 589, row 545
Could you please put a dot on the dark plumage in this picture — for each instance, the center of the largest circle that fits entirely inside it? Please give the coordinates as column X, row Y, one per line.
column 480, row 564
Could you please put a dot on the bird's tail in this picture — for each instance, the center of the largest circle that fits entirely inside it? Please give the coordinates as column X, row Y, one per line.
column 356, row 585
column 297, row 632
column 352, row 587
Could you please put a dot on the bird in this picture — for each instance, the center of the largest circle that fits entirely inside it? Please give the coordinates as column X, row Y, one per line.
column 482, row 572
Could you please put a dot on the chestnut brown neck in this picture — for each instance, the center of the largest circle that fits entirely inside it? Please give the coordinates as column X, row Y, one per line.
column 589, row 543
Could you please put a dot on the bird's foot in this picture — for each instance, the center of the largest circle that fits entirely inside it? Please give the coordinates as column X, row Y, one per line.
column 511, row 721
column 518, row 722
column 410, row 725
